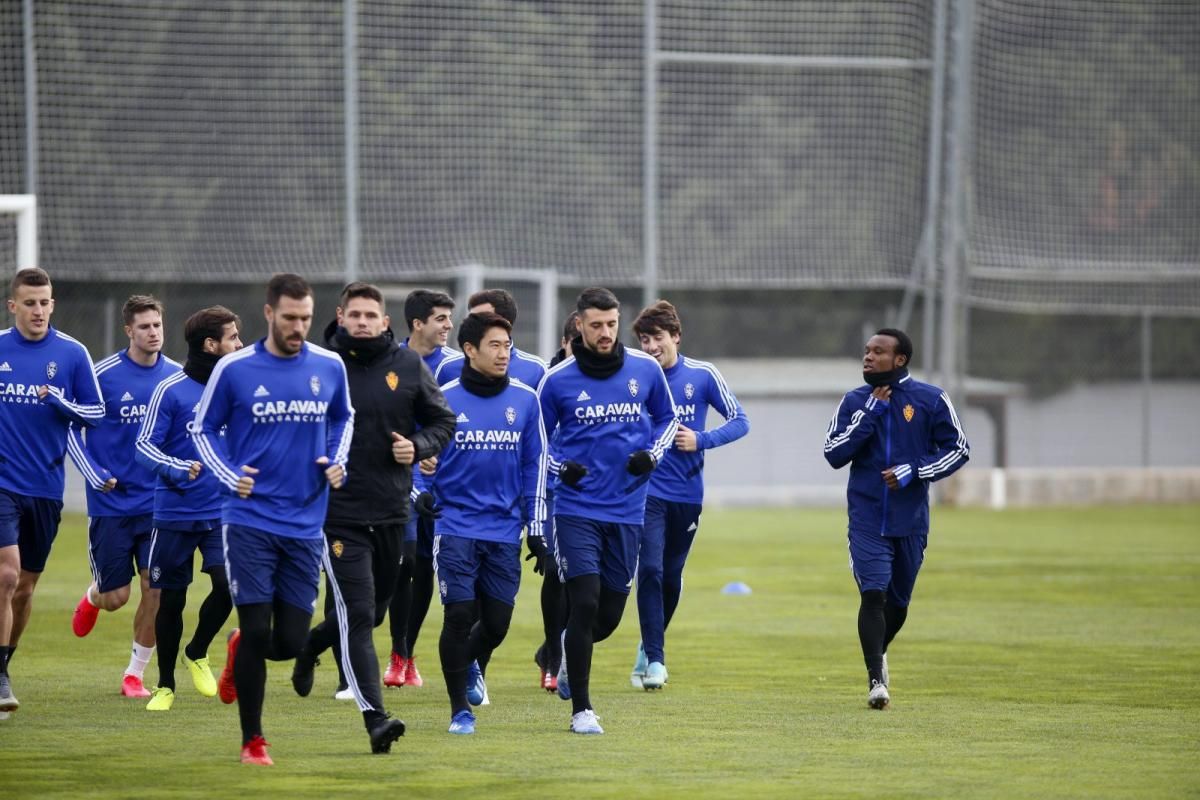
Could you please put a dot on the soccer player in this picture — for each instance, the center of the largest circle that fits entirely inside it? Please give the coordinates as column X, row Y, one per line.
column 614, row 417
column 285, row 408
column 525, row 367
column 187, row 506
column 120, row 491
column 676, row 492
column 898, row 435
column 46, row 383
column 393, row 394
column 489, row 480
column 428, row 316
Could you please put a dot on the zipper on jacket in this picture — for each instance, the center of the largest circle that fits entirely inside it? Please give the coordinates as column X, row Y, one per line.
column 887, row 458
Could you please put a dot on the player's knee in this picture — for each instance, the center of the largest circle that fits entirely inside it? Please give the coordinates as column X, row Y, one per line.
column 649, row 574
column 874, row 598
column 459, row 619
column 496, row 619
column 10, row 576
column 117, row 598
column 172, row 601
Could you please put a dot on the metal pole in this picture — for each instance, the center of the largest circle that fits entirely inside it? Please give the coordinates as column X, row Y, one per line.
column 650, row 154
column 31, row 101
column 350, row 88
column 933, row 182
column 1147, row 377
column 548, row 322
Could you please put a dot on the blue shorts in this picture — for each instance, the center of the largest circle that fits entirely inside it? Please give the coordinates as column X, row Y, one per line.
column 420, row 530
column 119, row 548
column 468, row 569
column 31, row 523
column 173, row 546
column 594, row 547
column 264, row 567
column 888, row 563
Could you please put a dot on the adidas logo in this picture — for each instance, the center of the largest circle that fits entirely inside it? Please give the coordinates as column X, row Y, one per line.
column 692, row 527
column 5, row 367
column 125, row 398
column 583, row 396
column 261, row 391
column 462, row 417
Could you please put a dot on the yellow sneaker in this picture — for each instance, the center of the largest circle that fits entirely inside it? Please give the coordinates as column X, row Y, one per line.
column 161, row 700
column 201, row 674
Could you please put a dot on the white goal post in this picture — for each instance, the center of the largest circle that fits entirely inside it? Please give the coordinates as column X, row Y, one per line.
column 25, row 207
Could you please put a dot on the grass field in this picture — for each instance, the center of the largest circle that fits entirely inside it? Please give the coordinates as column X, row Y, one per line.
column 1048, row 654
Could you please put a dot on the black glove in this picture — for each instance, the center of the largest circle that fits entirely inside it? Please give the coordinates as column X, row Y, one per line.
column 572, row 472
column 408, row 551
column 640, row 463
column 427, row 507
column 537, row 551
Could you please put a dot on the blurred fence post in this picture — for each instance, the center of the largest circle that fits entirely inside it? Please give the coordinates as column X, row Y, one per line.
column 350, row 124
column 31, row 100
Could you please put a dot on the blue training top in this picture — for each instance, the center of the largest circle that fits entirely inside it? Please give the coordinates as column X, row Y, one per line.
column 33, row 432
column 280, row 415
column 108, row 449
column 696, row 385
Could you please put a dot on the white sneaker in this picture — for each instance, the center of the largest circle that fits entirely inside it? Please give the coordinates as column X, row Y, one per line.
column 586, row 721
column 885, row 671
column 878, row 697
column 344, row 694
column 638, row 673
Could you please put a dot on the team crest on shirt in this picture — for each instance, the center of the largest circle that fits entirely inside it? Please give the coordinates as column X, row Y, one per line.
column 156, row 574
column 338, row 548
column 314, row 383
column 688, row 391
column 442, row 588
column 51, row 370
column 393, row 380
column 633, row 387
column 909, row 413
column 510, row 415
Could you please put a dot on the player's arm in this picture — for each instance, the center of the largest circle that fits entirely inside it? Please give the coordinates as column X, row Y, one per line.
column 736, row 424
column 339, row 431
column 92, row 471
column 534, row 465
column 852, row 425
column 432, row 415
column 86, row 408
column 160, row 417
column 212, row 415
column 570, row 472
column 661, row 406
column 448, row 370
column 950, row 442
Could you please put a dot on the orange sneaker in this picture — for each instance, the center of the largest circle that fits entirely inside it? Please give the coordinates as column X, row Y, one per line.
column 394, row 676
column 411, row 676
column 132, row 687
column 85, row 616
column 226, row 688
column 255, row 752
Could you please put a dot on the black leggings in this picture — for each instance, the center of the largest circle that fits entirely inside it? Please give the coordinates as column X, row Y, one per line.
column 261, row 642
column 595, row 612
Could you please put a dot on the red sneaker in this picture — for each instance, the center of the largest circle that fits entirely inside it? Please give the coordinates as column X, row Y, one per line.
column 394, row 676
column 132, row 687
column 550, row 681
column 255, row 752
column 411, row 676
column 85, row 616
column 227, row 689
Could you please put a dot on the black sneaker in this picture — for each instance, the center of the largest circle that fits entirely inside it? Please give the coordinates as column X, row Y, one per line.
column 302, row 673
column 384, row 732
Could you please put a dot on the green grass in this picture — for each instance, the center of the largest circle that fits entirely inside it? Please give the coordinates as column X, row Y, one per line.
column 1048, row 654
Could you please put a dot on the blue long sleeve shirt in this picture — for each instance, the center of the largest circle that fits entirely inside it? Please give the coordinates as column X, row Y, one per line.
column 34, row 432
column 600, row 422
column 916, row 434
column 280, row 415
column 164, row 446
column 108, row 449
column 491, row 476
column 434, row 361
column 695, row 386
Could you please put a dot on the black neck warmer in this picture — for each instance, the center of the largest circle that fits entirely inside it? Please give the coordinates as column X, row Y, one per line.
column 889, row 378
column 479, row 384
column 595, row 365
column 200, row 365
column 364, row 350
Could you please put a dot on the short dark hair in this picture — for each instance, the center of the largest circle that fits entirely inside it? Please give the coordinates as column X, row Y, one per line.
column 138, row 303
column 501, row 301
column 904, row 345
column 661, row 316
column 420, row 304
column 476, row 325
column 596, row 297
column 287, row 284
column 570, row 331
column 30, row 276
column 208, row 323
column 360, row 289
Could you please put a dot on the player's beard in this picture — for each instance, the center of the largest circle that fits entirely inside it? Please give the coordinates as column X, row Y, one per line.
column 283, row 345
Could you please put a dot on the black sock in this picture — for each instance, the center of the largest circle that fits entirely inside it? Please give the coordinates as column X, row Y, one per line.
column 871, row 630
column 894, row 616
column 168, row 630
column 584, row 596
column 5, row 657
column 214, row 611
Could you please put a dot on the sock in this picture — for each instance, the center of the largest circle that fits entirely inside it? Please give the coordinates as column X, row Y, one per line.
column 93, row 596
column 5, row 657
column 894, row 616
column 139, row 659
column 871, row 631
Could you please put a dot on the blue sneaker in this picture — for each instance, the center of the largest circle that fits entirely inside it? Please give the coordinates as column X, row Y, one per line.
column 655, row 677
column 639, row 668
column 476, row 688
column 564, row 689
column 462, row 723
